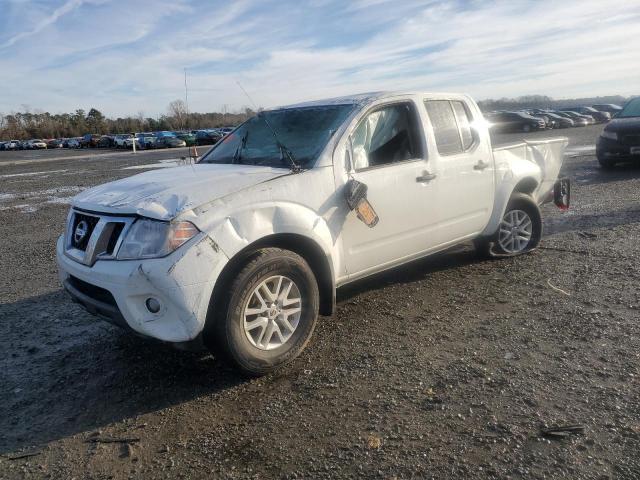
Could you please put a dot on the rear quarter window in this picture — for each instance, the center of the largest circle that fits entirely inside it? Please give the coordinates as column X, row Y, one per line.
column 464, row 119
column 445, row 127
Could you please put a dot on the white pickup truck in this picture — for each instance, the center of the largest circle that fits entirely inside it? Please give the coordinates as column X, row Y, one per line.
column 241, row 251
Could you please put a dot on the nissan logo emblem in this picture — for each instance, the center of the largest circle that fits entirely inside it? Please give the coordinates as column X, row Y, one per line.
column 81, row 231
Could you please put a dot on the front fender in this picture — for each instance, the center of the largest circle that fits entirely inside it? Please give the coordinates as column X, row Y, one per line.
column 234, row 230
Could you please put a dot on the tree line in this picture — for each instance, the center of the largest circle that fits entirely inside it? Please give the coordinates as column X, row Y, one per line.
column 26, row 125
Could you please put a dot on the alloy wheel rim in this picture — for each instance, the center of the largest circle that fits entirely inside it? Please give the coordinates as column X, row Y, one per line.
column 272, row 312
column 516, row 230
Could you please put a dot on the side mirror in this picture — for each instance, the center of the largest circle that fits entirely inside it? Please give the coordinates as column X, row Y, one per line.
column 355, row 192
column 356, row 197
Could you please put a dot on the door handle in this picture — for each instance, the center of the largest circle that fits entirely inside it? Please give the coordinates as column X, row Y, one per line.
column 480, row 165
column 425, row 177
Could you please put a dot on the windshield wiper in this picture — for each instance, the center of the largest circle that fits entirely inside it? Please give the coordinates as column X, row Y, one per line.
column 284, row 151
column 237, row 156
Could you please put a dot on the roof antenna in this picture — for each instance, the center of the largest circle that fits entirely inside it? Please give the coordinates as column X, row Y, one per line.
column 283, row 148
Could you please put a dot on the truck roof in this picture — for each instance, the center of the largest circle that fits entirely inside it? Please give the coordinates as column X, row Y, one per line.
column 358, row 99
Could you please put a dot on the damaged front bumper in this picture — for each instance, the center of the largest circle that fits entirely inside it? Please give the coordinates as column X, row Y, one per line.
column 164, row 298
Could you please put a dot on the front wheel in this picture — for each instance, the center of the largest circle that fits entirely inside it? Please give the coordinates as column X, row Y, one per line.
column 606, row 164
column 519, row 232
column 268, row 313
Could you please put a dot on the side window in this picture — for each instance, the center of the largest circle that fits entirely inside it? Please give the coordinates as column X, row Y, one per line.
column 463, row 116
column 445, row 127
column 386, row 135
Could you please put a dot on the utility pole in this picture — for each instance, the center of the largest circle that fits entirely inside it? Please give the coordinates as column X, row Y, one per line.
column 186, row 98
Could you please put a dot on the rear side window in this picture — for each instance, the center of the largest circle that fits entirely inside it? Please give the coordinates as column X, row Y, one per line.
column 451, row 123
column 445, row 127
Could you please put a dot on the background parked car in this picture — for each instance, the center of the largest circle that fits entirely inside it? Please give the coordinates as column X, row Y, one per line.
column 599, row 117
column 145, row 141
column 560, row 122
column 207, row 137
column 54, row 143
column 170, row 142
column 128, row 142
column 611, row 108
column 189, row 138
column 106, row 141
column 620, row 138
column 515, row 122
column 120, row 140
column 590, row 120
column 11, row 145
column 577, row 121
column 73, row 143
column 549, row 122
column 90, row 140
column 226, row 130
column 35, row 144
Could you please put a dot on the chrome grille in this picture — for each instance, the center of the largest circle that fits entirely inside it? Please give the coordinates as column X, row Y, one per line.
column 90, row 236
column 88, row 222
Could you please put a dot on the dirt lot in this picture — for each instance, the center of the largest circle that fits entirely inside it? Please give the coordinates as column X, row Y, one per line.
column 445, row 368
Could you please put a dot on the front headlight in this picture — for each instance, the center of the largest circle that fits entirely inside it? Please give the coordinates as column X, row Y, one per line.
column 609, row 135
column 151, row 239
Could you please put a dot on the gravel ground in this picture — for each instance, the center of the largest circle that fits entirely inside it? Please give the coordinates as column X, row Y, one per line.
column 445, row 368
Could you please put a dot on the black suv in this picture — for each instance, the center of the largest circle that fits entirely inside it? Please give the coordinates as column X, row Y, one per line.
column 207, row 137
column 620, row 139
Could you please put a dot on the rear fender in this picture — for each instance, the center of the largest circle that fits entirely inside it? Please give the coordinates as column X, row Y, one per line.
column 513, row 174
column 519, row 167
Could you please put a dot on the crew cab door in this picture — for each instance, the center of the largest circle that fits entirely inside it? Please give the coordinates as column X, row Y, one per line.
column 388, row 155
column 465, row 186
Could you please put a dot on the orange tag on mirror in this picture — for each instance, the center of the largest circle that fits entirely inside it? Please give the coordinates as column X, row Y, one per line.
column 366, row 213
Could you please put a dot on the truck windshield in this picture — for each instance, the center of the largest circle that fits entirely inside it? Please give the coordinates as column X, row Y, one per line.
column 304, row 131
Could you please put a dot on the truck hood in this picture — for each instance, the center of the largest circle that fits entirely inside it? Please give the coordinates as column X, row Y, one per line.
column 166, row 193
column 624, row 125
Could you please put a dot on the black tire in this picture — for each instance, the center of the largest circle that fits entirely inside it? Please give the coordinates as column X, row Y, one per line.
column 490, row 246
column 225, row 332
column 606, row 164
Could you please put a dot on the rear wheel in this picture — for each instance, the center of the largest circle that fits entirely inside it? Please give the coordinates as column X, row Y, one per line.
column 268, row 313
column 519, row 232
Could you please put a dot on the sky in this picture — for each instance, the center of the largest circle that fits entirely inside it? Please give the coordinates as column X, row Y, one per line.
column 126, row 57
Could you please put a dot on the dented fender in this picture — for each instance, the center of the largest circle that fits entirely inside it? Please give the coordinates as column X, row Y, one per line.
column 240, row 228
column 537, row 161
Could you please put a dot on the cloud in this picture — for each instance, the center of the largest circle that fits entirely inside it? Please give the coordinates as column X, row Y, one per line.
column 123, row 57
column 59, row 12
